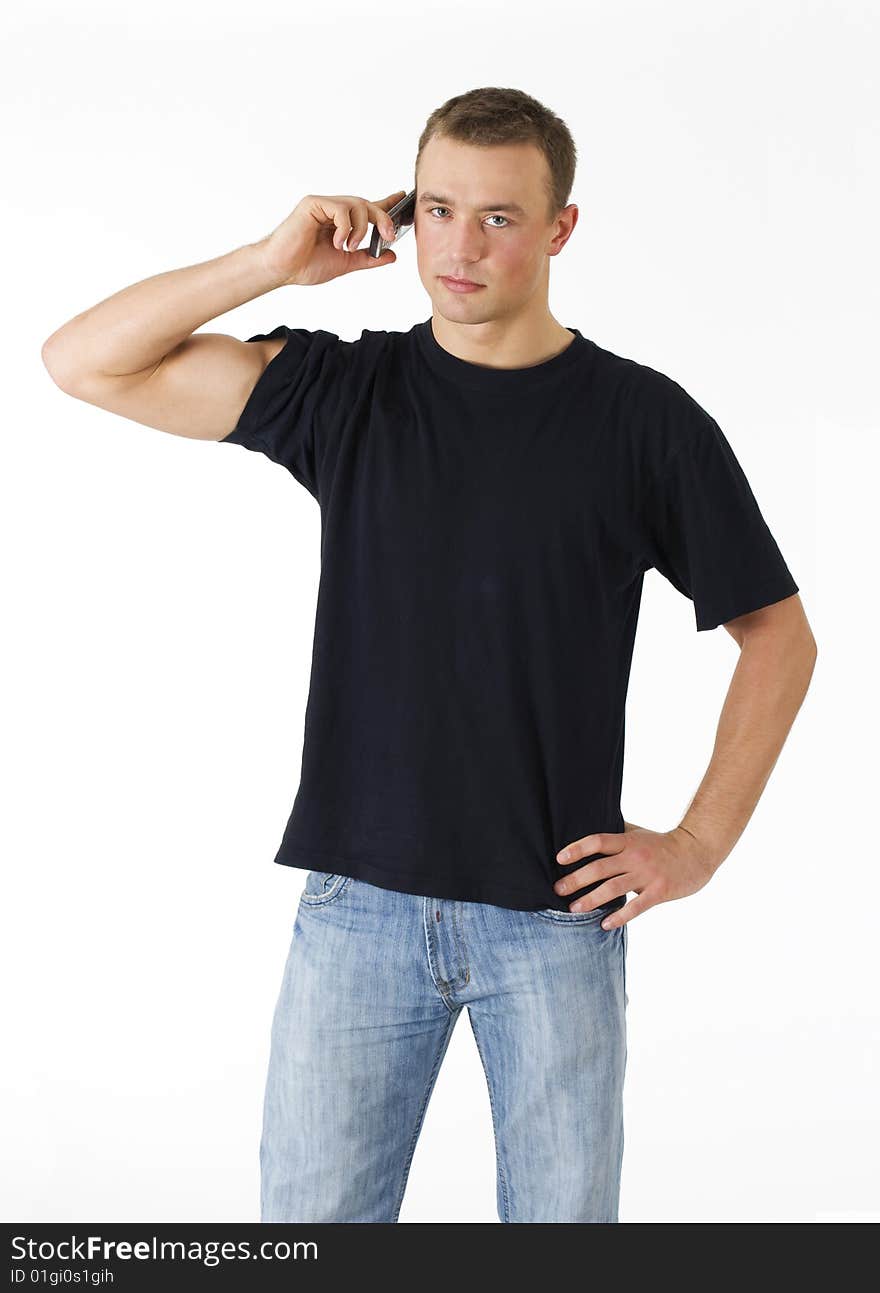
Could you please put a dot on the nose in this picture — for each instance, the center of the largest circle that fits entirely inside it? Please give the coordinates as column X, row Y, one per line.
column 464, row 246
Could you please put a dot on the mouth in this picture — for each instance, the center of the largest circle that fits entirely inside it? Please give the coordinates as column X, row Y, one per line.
column 459, row 282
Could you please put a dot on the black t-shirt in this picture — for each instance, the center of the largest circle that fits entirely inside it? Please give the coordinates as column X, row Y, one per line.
column 484, row 537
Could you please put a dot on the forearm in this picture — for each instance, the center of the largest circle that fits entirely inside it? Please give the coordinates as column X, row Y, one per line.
column 765, row 693
column 134, row 329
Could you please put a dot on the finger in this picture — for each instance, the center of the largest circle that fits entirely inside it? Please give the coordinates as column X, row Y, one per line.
column 360, row 213
column 342, row 220
column 599, row 897
column 380, row 217
column 591, row 873
column 338, row 214
column 627, row 912
column 361, row 222
column 363, row 259
column 604, row 843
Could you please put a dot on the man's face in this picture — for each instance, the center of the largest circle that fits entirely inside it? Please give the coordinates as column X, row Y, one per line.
column 466, row 236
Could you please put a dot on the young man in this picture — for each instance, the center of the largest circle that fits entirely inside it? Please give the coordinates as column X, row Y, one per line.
column 493, row 487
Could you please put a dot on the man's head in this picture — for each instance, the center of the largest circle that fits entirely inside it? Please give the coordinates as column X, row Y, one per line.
column 493, row 174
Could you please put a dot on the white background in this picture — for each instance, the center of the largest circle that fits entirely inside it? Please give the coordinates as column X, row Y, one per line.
column 159, row 592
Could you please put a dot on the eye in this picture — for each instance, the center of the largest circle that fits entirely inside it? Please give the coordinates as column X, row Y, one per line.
column 431, row 210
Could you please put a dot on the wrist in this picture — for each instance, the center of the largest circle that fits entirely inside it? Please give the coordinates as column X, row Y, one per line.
column 710, row 856
column 267, row 273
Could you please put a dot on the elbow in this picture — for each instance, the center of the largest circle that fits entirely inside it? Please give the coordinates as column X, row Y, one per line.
column 814, row 654
column 801, row 656
column 57, row 366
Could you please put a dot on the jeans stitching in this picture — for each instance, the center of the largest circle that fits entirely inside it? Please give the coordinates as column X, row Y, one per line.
column 571, row 918
column 328, row 895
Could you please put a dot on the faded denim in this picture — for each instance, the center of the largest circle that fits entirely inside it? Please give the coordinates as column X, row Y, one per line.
column 373, row 986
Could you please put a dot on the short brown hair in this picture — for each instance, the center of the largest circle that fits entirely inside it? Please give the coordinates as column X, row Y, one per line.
column 493, row 115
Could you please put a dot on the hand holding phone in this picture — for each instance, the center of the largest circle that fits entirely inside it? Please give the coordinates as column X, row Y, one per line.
column 403, row 215
column 309, row 246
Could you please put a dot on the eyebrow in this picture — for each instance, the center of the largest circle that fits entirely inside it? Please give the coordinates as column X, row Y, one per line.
column 493, row 206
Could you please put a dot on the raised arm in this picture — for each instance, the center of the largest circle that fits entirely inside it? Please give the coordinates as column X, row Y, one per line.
column 138, row 354
column 134, row 354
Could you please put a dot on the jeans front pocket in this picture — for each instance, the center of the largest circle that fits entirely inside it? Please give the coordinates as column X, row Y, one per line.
column 598, row 914
column 323, row 887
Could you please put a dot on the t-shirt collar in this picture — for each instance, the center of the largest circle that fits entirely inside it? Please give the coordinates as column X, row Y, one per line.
column 496, row 380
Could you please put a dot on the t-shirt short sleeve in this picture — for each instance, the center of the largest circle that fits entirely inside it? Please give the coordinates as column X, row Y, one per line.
column 293, row 401
column 703, row 527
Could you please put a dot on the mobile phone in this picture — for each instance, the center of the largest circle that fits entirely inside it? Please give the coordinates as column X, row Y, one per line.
column 403, row 213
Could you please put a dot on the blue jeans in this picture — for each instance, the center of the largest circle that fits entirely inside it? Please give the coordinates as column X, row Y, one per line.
column 374, row 983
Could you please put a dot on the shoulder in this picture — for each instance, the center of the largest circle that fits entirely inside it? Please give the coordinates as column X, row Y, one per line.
column 360, row 356
column 645, row 388
column 338, row 360
column 657, row 415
